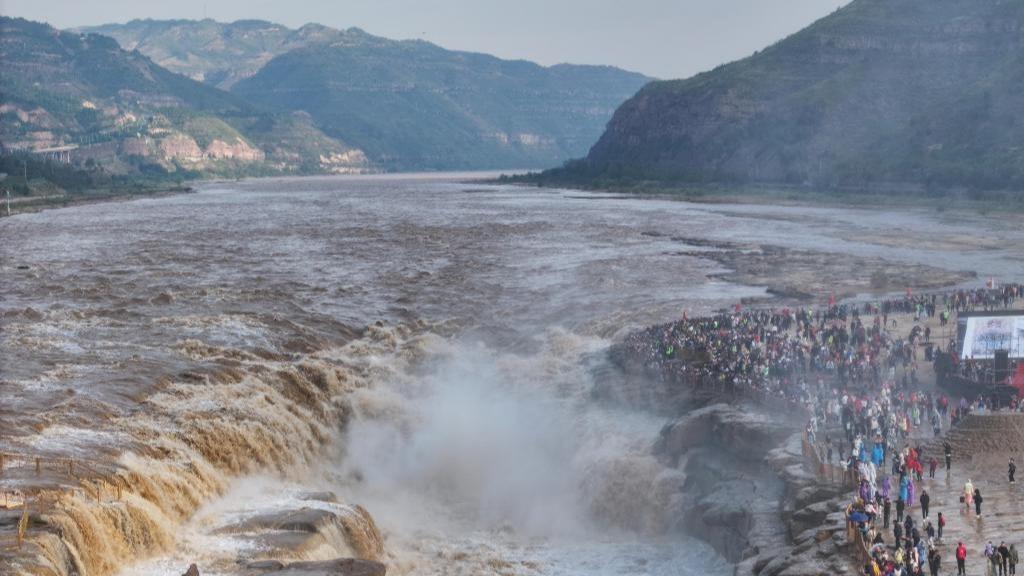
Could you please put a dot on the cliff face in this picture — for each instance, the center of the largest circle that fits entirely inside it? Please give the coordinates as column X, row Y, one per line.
column 181, row 147
column 918, row 92
column 236, row 150
column 732, row 496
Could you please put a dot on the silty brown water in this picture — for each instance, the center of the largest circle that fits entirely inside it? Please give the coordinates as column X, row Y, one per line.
column 183, row 343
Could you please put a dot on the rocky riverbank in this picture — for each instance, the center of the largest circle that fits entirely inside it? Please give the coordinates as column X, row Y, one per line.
column 749, row 494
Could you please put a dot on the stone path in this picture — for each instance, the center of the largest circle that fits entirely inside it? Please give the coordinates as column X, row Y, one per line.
column 982, row 445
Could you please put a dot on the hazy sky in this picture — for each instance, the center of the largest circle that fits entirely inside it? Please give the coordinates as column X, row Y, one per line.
column 663, row 38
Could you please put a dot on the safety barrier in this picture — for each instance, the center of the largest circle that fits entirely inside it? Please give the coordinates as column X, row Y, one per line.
column 826, row 471
column 860, row 546
column 837, row 475
column 88, row 481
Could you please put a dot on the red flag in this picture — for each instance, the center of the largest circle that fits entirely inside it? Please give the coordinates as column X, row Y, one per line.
column 1017, row 380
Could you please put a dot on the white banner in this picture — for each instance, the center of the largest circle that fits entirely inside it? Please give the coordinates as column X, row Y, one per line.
column 986, row 334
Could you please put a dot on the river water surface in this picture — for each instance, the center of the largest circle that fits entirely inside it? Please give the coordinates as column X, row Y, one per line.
column 472, row 434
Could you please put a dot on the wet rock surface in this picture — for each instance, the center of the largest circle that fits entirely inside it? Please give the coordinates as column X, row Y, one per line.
column 337, row 567
column 304, row 520
column 809, row 536
column 731, row 490
column 306, row 532
column 744, row 432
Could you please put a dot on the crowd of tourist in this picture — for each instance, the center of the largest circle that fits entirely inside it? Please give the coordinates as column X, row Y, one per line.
column 886, row 459
column 780, row 351
column 857, row 376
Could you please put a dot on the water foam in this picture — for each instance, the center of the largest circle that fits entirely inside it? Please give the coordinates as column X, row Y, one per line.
column 498, row 462
column 194, row 438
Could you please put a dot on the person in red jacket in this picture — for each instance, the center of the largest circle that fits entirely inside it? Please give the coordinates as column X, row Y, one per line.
column 961, row 558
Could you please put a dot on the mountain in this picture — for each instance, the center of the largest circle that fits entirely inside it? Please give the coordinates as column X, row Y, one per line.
column 217, row 53
column 253, row 97
column 84, row 99
column 406, row 104
column 414, row 105
column 902, row 94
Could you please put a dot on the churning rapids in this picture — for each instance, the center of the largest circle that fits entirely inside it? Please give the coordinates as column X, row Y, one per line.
column 421, row 346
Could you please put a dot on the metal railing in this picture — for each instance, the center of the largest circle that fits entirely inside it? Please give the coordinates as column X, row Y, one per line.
column 826, row 471
column 87, row 480
column 839, row 475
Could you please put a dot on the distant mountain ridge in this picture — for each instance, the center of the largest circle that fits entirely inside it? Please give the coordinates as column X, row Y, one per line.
column 918, row 94
column 217, row 53
column 414, row 105
column 408, row 105
column 86, row 99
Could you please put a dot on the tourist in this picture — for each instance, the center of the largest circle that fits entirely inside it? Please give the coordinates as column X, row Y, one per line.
column 1012, row 470
column 886, row 511
column 961, row 559
column 942, row 524
column 925, row 500
column 949, row 455
column 932, row 465
column 968, row 496
column 934, row 561
column 1014, row 558
column 977, row 502
column 1004, row 558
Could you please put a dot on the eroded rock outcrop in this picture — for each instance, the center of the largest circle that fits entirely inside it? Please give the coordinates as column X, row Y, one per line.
column 743, row 432
column 338, row 567
column 732, row 493
column 302, row 533
column 809, row 519
column 180, row 147
column 237, row 150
